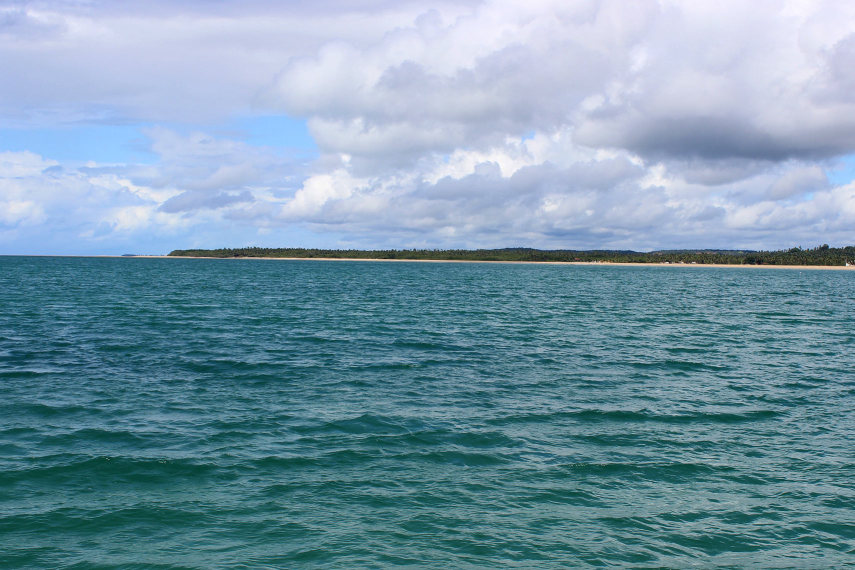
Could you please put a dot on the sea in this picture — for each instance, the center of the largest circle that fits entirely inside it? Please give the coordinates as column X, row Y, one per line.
column 198, row 413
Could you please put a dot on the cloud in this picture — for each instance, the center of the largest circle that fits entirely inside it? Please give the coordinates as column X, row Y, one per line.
column 724, row 114
column 20, row 212
column 659, row 79
column 799, row 181
column 165, row 61
column 606, row 202
column 49, row 207
column 15, row 165
column 200, row 162
column 595, row 123
column 193, row 201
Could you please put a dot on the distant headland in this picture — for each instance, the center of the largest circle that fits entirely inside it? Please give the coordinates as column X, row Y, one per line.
column 822, row 255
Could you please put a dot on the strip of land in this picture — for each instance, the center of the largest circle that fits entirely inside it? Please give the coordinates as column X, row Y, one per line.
column 818, row 257
column 581, row 263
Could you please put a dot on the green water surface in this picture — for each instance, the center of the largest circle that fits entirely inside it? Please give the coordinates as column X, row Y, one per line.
column 165, row 413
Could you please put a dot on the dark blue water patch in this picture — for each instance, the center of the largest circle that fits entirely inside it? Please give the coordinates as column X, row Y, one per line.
column 191, row 413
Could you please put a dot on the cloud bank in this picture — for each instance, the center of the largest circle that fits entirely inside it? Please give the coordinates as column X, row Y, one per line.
column 581, row 124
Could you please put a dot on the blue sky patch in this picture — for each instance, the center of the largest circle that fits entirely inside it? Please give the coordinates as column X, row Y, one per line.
column 843, row 172
column 127, row 144
column 81, row 143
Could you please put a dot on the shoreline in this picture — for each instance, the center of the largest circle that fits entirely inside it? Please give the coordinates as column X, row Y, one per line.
column 582, row 263
column 368, row 259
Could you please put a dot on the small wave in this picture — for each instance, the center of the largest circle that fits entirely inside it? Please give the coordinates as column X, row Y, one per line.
column 559, row 496
column 687, row 349
column 696, row 417
column 455, row 457
column 837, row 529
column 364, row 424
column 232, row 367
column 64, row 468
column 277, row 463
column 720, row 542
column 442, row 347
column 81, row 437
column 52, row 411
column 17, row 432
column 679, row 366
column 468, row 439
column 380, row 366
column 597, row 415
column 11, row 450
column 26, row 373
column 157, row 516
column 674, row 472
column 632, row 524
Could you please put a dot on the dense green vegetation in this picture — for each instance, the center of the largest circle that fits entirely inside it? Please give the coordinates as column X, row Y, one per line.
column 822, row 255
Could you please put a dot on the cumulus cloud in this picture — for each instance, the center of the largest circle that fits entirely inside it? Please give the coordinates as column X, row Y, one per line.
column 722, row 113
column 46, row 206
column 660, row 79
column 595, row 123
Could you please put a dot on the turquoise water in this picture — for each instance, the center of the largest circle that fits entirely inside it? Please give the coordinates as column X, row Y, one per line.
column 202, row 413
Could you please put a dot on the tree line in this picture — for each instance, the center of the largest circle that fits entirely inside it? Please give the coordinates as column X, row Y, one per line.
column 820, row 255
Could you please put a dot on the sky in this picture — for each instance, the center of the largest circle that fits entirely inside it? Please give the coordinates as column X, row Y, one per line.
column 146, row 126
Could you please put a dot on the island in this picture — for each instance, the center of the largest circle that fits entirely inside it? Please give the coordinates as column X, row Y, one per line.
column 822, row 255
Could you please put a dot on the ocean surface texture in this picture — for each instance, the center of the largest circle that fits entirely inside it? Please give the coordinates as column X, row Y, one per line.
column 265, row 414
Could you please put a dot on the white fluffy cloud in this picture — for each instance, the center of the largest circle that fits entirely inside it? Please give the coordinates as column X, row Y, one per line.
column 45, row 207
column 595, row 123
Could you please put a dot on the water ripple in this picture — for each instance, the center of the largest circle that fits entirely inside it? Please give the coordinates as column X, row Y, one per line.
column 194, row 414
